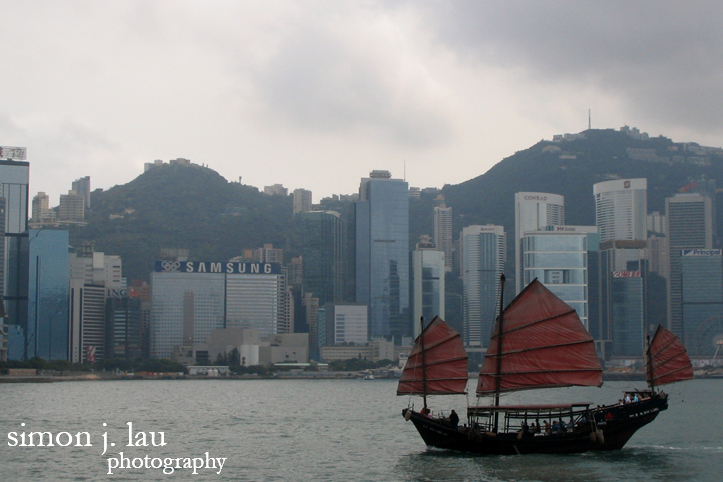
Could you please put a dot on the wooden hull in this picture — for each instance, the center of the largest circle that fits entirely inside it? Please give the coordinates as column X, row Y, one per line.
column 617, row 424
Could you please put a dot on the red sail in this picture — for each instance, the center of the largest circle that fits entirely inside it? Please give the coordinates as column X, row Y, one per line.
column 444, row 369
column 668, row 359
column 544, row 344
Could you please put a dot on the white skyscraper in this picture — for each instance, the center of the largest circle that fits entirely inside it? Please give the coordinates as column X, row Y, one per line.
column 483, row 260
column 621, row 209
column 534, row 211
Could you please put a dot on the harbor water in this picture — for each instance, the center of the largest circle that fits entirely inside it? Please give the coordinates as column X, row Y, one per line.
column 318, row 430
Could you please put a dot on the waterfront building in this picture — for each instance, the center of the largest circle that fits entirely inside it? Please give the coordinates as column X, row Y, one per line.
column 302, row 201
column 191, row 299
column 623, row 291
column 124, row 331
column 534, row 211
column 443, row 233
column 701, row 272
column 428, row 268
column 92, row 276
column 322, row 253
column 14, row 179
column 483, row 260
column 689, row 226
column 621, row 209
column 46, row 328
column 382, row 254
column 558, row 258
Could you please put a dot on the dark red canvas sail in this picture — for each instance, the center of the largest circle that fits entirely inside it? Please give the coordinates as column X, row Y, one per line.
column 544, row 344
column 668, row 359
column 444, row 369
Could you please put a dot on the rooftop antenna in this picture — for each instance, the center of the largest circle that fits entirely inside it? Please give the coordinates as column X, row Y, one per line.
column 589, row 121
column 405, row 170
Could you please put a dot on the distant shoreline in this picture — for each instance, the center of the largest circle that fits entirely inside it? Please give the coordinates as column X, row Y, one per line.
column 99, row 376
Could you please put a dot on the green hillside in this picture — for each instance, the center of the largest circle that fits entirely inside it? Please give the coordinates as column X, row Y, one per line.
column 194, row 207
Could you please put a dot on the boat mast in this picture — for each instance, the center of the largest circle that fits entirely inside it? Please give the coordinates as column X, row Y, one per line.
column 650, row 366
column 499, row 350
column 424, row 365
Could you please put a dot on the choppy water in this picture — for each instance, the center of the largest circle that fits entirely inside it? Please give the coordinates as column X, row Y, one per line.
column 327, row 430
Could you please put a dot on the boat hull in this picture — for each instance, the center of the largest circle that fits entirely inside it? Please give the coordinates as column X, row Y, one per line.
column 612, row 428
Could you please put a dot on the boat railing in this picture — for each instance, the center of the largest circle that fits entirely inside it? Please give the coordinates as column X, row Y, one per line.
column 519, row 419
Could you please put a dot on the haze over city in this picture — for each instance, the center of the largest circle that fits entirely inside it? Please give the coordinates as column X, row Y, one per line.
column 314, row 95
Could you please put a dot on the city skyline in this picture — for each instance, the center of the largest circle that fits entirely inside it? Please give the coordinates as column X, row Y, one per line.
column 280, row 92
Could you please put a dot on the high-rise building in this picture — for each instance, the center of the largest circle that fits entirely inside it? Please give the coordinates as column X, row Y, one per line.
column 534, row 211
column 443, row 234
column 14, row 178
column 621, row 215
column 191, row 299
column 92, row 276
column 689, row 226
column 322, row 252
column 72, row 208
column 428, row 268
column 702, row 300
column 621, row 209
column 345, row 323
column 124, row 331
column 483, row 261
column 82, row 187
column 46, row 329
column 558, row 258
column 302, row 201
column 382, row 254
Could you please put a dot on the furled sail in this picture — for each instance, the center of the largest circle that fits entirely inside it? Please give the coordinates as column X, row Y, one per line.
column 668, row 359
column 441, row 369
column 544, row 344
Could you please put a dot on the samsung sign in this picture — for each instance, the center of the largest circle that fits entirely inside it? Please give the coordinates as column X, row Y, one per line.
column 224, row 268
column 702, row 252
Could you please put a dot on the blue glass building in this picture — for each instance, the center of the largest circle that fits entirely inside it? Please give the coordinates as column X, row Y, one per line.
column 48, row 289
column 382, row 254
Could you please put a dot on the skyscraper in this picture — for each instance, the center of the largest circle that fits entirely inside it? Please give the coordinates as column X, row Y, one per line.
column 382, row 254
column 443, row 233
column 621, row 209
column 534, row 211
column 689, row 226
column 701, row 299
column 47, row 324
column 428, row 268
column 558, row 258
column 321, row 249
column 483, row 260
column 14, row 178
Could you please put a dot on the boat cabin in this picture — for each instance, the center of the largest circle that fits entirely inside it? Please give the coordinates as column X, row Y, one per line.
column 519, row 418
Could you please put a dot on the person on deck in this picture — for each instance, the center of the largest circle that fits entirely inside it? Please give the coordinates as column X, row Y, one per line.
column 548, row 430
column 453, row 419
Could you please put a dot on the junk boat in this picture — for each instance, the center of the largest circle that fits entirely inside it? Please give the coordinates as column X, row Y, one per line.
column 538, row 341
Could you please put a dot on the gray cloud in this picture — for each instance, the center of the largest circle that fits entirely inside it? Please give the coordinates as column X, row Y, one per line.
column 662, row 60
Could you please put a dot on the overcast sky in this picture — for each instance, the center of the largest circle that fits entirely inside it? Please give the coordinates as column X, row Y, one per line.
column 314, row 94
